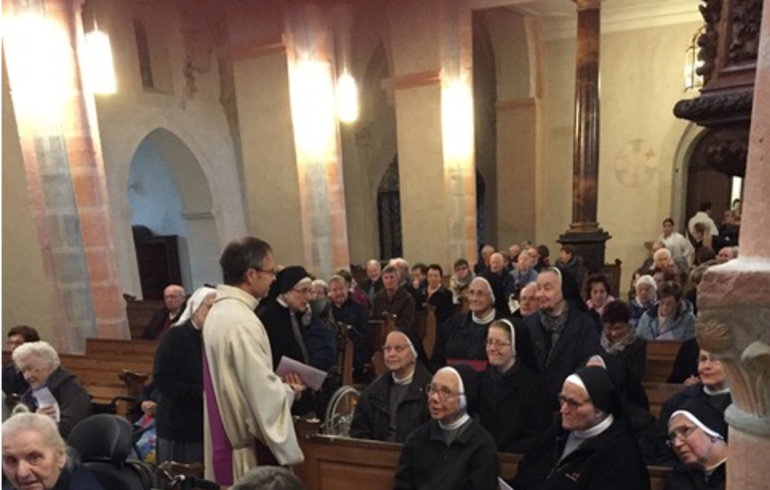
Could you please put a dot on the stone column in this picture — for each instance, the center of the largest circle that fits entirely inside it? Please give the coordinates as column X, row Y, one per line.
column 734, row 301
column 59, row 137
column 584, row 232
column 432, row 84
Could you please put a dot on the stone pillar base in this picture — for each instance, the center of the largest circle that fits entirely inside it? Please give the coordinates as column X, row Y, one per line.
column 588, row 244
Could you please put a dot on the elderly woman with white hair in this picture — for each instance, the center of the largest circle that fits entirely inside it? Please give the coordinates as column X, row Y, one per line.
column 464, row 336
column 646, row 291
column 452, row 451
column 178, row 378
column 35, row 457
column 40, row 365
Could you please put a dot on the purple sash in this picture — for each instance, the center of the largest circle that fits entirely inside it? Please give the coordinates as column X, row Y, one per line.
column 222, row 450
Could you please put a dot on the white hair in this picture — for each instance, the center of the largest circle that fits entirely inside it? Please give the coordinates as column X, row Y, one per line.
column 42, row 349
column 33, row 422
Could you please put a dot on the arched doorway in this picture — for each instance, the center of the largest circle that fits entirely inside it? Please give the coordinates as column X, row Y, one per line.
column 171, row 212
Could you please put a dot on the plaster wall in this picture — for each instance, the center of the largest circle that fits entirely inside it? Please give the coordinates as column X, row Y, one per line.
column 641, row 73
column 195, row 117
column 27, row 294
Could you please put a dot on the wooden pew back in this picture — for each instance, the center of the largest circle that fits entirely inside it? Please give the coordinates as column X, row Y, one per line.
column 121, row 349
column 140, row 313
column 658, row 393
column 660, row 359
column 335, row 463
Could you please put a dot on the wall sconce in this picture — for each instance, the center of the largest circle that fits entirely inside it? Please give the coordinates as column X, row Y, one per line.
column 347, row 98
column 692, row 62
column 99, row 66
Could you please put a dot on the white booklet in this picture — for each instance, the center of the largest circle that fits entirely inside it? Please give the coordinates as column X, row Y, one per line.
column 312, row 377
column 503, row 485
column 45, row 398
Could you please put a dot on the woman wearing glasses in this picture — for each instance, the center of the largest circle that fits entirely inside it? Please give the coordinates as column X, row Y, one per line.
column 394, row 404
column 592, row 448
column 698, row 435
column 514, row 403
column 452, row 451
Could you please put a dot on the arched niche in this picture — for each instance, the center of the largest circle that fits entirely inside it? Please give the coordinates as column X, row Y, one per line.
column 169, row 194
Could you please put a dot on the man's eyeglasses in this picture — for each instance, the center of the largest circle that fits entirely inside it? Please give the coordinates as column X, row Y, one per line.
column 497, row 344
column 682, row 433
column 443, row 392
column 302, row 290
column 572, row 404
column 272, row 271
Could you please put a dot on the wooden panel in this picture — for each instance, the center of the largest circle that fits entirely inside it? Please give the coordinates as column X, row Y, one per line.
column 658, row 393
column 660, row 359
column 140, row 313
column 333, row 463
column 121, row 349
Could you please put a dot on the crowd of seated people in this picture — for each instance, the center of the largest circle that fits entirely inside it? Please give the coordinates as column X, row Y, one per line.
column 527, row 334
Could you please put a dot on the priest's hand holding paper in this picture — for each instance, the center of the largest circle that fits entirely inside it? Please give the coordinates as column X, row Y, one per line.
column 295, row 382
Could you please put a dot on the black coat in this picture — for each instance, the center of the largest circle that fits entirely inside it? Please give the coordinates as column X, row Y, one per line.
column 178, row 377
column 442, row 301
column 160, row 322
column 354, row 314
column 684, row 478
column 635, row 357
column 427, row 463
column 372, row 415
column 13, row 381
column 609, row 461
column 693, row 392
column 578, row 342
column 686, row 362
column 72, row 477
column 74, row 402
column 460, row 338
column 515, row 407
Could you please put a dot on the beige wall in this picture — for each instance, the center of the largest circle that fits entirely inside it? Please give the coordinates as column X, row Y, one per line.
column 26, row 291
column 638, row 141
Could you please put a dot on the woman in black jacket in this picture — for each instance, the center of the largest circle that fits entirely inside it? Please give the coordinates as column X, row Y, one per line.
column 514, row 405
column 178, row 377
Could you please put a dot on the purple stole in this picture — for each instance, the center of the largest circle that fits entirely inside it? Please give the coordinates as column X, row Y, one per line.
column 222, row 450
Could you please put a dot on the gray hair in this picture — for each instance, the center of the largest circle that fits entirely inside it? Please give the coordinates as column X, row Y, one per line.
column 374, row 262
column 529, row 285
column 33, row 422
column 42, row 349
column 322, row 283
column 268, row 478
column 338, row 278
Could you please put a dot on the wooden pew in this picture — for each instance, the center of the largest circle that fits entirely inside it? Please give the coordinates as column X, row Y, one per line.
column 121, row 349
column 140, row 313
column 660, row 359
column 658, row 393
column 335, row 463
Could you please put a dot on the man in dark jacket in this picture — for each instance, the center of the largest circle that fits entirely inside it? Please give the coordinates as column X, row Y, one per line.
column 13, row 380
column 562, row 333
column 353, row 314
column 373, row 282
column 394, row 299
column 174, row 298
column 592, row 448
column 394, row 404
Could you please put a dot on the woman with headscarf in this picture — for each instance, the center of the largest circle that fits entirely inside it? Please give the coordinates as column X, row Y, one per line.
column 394, row 404
column 464, row 336
column 514, row 405
column 592, row 447
column 178, row 379
column 452, row 451
column 698, row 435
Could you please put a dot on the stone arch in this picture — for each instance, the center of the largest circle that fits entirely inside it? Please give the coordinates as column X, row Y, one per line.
column 169, row 193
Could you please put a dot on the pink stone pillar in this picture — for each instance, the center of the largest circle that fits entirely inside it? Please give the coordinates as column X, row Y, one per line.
column 734, row 320
column 59, row 138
